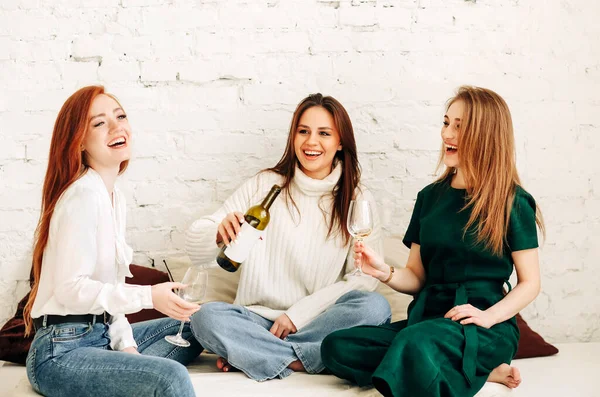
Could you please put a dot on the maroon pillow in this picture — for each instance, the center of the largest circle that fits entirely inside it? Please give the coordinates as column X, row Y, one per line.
column 14, row 346
column 145, row 276
column 531, row 344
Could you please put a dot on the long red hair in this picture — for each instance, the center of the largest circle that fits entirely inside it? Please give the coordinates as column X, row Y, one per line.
column 66, row 163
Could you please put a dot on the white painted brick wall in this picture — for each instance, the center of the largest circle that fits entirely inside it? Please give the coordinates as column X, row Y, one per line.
column 210, row 85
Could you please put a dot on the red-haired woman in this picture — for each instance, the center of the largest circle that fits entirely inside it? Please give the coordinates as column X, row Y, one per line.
column 83, row 343
column 294, row 287
column 468, row 230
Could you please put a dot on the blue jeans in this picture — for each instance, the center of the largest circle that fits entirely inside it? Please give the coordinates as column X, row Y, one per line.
column 75, row 359
column 243, row 338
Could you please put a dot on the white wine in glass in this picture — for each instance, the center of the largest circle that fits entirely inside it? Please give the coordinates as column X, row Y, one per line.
column 195, row 279
column 360, row 224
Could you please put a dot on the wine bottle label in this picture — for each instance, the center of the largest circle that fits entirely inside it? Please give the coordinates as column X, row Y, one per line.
column 240, row 249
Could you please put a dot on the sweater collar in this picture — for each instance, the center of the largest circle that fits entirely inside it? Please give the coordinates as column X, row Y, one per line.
column 317, row 187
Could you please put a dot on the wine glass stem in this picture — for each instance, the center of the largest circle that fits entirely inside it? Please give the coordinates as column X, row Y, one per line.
column 181, row 328
column 360, row 264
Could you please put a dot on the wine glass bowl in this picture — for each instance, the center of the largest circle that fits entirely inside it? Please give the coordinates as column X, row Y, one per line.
column 195, row 280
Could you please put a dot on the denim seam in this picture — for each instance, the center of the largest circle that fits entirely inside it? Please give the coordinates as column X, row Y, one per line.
column 158, row 375
column 386, row 321
column 283, row 367
column 120, row 371
column 33, row 369
column 171, row 387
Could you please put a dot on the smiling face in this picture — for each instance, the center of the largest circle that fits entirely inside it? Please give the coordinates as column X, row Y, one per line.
column 316, row 141
column 451, row 132
column 108, row 137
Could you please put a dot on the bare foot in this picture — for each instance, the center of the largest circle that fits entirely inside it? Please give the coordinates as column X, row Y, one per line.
column 224, row 366
column 507, row 375
column 297, row 366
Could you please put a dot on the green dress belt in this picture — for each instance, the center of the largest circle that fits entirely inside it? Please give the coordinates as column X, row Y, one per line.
column 482, row 287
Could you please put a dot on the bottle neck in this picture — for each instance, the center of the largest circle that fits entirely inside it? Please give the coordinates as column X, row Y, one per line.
column 275, row 190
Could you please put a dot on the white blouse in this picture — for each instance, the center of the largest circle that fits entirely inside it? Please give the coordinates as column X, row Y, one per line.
column 86, row 260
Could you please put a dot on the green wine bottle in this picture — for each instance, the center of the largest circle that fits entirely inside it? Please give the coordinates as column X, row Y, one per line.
column 257, row 218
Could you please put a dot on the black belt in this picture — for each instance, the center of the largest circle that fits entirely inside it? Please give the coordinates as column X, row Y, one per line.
column 53, row 319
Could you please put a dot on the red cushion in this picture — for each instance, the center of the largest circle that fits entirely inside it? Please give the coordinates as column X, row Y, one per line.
column 14, row 346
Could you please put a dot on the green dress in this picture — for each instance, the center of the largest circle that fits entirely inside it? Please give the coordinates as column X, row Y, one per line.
column 428, row 355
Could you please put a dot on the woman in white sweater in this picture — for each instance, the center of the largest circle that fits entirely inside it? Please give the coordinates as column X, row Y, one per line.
column 294, row 286
column 83, row 343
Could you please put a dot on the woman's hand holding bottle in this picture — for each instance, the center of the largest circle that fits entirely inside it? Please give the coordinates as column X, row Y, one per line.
column 229, row 227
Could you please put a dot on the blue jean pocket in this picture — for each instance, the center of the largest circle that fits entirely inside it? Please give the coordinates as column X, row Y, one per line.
column 67, row 337
column 70, row 332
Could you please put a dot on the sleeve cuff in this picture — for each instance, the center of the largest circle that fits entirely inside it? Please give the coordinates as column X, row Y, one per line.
column 201, row 245
column 120, row 333
column 147, row 297
column 299, row 320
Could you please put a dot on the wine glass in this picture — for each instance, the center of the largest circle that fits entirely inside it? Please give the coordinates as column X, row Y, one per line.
column 360, row 224
column 195, row 280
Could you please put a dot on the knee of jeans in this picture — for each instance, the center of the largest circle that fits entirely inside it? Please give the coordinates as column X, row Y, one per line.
column 354, row 295
column 372, row 302
column 376, row 307
column 208, row 315
column 176, row 374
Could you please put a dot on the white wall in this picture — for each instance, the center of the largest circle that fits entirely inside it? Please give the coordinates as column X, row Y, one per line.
column 210, row 86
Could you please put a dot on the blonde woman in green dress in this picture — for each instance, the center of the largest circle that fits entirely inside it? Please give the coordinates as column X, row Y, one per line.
column 467, row 231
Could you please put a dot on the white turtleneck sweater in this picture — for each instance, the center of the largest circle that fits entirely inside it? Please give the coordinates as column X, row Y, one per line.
column 295, row 269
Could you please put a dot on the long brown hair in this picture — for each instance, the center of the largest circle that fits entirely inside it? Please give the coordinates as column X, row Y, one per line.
column 488, row 164
column 66, row 163
column 344, row 190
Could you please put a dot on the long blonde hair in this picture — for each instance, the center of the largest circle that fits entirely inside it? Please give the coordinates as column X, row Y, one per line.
column 488, row 164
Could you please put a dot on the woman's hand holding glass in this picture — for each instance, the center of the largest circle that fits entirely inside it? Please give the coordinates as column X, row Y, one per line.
column 372, row 263
column 169, row 303
column 191, row 291
column 360, row 225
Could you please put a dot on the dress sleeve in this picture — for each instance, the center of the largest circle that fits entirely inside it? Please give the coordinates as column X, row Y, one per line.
column 522, row 229
column 413, row 232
